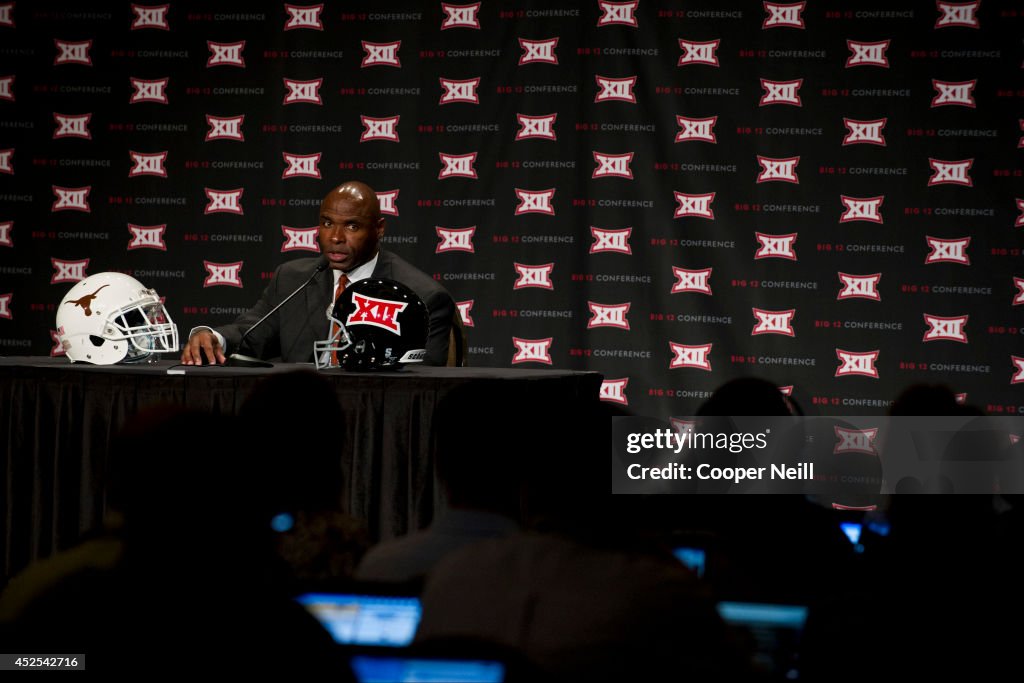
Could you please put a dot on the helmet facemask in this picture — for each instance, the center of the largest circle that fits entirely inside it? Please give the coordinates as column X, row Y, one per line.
column 147, row 327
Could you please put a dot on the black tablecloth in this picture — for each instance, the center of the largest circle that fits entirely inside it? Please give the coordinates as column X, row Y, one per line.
column 57, row 421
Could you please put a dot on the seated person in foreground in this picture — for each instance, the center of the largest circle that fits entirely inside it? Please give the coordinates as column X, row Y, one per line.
column 479, row 467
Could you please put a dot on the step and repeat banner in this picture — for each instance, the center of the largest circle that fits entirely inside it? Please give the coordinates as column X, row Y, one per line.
column 827, row 195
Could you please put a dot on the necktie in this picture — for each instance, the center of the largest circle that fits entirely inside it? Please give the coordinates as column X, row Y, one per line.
column 342, row 283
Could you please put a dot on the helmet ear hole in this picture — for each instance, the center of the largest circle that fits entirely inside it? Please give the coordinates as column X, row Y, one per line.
column 96, row 341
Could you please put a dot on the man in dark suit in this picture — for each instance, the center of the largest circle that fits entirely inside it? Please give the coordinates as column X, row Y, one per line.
column 351, row 226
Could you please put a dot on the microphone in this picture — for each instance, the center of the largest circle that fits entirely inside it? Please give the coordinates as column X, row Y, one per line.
column 237, row 360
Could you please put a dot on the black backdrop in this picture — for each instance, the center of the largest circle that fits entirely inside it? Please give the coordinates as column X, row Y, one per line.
column 672, row 193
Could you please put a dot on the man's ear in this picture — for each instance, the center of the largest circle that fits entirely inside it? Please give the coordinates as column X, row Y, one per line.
column 381, row 225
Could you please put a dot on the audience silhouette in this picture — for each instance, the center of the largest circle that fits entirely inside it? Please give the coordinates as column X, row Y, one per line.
column 532, row 561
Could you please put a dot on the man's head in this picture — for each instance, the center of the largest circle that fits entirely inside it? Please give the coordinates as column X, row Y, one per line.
column 350, row 225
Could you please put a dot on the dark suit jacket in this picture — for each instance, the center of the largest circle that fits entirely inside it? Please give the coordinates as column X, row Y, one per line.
column 289, row 334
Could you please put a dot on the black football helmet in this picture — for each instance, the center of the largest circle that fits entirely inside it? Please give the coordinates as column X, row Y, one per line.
column 376, row 324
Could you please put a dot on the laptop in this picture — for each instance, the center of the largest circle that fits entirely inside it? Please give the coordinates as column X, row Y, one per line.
column 776, row 631
column 365, row 619
column 372, row 669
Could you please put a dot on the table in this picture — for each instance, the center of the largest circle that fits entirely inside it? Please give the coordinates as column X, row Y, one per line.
column 57, row 421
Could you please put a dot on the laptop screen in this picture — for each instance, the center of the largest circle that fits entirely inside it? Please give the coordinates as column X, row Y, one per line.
column 776, row 632
column 695, row 559
column 357, row 619
column 412, row 669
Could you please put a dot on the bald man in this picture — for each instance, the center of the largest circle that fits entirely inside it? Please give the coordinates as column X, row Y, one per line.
column 351, row 226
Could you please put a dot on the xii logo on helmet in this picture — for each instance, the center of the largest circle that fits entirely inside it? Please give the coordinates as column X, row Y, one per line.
column 377, row 312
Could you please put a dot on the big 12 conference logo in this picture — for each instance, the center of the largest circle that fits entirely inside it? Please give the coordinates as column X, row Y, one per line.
column 148, row 164
column 614, row 391
column 612, row 241
column 867, row 54
column 621, row 13
column 457, row 166
column 703, row 53
column 149, row 90
column 225, row 54
column 535, row 202
column 687, row 356
column 150, row 17
column 951, row 329
column 855, row 440
column 71, row 199
column 304, row 17
column 302, row 92
column 696, row 130
column 147, row 237
column 69, row 52
column 460, row 16
column 774, row 322
column 775, row 246
column 388, row 202
column 781, row 92
column 68, row 271
column 385, row 129
column 225, row 128
column 950, row 172
column 224, row 201
column 382, row 313
column 300, row 239
column 533, row 276
column 223, row 274
column 783, row 15
column 864, row 132
column 541, row 127
column 947, row 250
column 861, row 209
column 859, row 287
column 1018, row 375
column 694, row 205
column 72, row 126
column 301, row 165
column 954, row 93
column 613, row 165
column 608, row 315
column 465, row 309
column 698, row 281
column 532, row 350
column 7, row 88
column 778, row 170
column 857, row 363
column 381, row 54
column 958, row 14
column 538, row 51
column 455, row 239
column 615, row 89
column 459, row 91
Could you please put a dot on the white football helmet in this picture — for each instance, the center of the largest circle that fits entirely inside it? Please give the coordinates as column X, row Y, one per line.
column 112, row 318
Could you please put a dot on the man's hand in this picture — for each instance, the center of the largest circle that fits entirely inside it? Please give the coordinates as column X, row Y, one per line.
column 202, row 341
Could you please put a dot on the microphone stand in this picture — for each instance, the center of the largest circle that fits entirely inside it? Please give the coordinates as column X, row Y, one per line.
column 238, row 360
